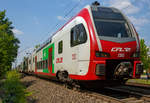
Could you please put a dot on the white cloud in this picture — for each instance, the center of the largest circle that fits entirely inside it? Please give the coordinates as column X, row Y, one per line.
column 125, row 5
column 120, row 4
column 17, row 32
column 62, row 18
column 132, row 9
column 139, row 22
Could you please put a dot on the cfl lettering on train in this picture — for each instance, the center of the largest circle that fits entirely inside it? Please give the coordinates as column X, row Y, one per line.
column 119, row 49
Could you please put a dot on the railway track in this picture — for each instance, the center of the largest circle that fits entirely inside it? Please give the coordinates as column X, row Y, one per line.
column 135, row 94
column 119, row 94
column 138, row 85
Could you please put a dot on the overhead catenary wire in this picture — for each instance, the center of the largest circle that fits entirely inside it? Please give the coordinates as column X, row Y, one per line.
column 65, row 16
column 129, row 5
column 53, row 27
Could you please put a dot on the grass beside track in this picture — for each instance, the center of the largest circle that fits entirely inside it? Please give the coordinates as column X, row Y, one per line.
column 139, row 81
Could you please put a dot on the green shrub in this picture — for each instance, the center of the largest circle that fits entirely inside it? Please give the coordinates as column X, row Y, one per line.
column 14, row 91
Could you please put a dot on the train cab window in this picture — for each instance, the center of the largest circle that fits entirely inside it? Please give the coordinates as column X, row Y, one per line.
column 60, row 47
column 78, row 35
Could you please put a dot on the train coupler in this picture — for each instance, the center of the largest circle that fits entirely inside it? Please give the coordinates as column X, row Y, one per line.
column 123, row 70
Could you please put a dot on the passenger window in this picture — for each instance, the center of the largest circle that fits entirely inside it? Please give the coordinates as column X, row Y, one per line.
column 73, row 37
column 43, row 67
column 30, row 61
column 46, row 64
column 37, row 66
column 82, row 34
column 78, row 35
column 60, row 47
column 40, row 65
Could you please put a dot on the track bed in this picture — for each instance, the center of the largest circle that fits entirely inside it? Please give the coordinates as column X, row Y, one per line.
column 47, row 91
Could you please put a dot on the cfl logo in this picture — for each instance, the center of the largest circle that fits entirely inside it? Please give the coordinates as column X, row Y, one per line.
column 119, row 49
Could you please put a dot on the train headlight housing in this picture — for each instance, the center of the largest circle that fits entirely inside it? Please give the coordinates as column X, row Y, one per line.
column 136, row 55
column 102, row 54
column 100, row 69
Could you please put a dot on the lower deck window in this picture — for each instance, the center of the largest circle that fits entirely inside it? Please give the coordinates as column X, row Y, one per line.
column 42, row 64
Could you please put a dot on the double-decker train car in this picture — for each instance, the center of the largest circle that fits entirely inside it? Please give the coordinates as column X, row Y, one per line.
column 98, row 44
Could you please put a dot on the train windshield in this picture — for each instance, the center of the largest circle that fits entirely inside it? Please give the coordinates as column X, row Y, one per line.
column 111, row 28
column 110, row 23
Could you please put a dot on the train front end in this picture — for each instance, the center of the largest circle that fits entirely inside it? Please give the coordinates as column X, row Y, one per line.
column 116, row 52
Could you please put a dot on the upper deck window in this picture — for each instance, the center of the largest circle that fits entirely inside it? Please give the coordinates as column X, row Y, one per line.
column 60, row 47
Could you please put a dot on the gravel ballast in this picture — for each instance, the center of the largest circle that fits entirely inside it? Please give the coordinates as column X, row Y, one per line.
column 45, row 91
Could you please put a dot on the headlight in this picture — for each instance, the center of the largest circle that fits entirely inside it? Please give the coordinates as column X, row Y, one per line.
column 102, row 54
column 100, row 69
column 136, row 55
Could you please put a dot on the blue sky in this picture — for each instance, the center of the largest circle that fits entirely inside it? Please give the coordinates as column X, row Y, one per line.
column 35, row 20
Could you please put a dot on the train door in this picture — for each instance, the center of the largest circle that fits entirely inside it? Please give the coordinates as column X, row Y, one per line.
column 35, row 64
column 50, row 60
column 74, row 51
column 83, row 46
column 83, row 43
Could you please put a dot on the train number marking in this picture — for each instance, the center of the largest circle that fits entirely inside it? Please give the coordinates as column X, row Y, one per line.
column 121, row 55
column 73, row 56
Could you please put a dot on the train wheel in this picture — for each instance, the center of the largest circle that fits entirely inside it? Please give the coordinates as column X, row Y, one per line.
column 68, row 82
column 62, row 76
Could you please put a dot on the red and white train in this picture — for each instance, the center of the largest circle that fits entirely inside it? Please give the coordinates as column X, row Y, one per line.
column 98, row 44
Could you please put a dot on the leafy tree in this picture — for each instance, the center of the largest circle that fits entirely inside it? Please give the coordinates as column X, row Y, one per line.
column 144, row 55
column 14, row 91
column 37, row 46
column 8, row 44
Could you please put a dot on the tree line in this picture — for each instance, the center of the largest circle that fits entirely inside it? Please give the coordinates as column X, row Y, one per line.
column 9, row 44
column 144, row 56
